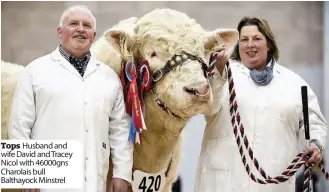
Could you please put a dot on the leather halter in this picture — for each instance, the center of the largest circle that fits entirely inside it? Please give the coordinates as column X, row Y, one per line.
column 176, row 60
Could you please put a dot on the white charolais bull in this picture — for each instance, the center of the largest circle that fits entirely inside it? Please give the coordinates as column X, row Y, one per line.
column 183, row 90
column 158, row 37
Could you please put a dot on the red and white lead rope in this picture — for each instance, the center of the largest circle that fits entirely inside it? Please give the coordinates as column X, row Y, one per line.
column 238, row 129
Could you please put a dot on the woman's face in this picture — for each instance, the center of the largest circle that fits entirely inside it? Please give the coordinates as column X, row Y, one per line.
column 253, row 48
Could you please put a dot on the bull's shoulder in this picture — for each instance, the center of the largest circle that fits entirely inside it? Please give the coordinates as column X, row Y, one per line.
column 10, row 68
column 104, row 52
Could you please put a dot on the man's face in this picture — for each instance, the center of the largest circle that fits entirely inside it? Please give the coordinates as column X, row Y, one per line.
column 77, row 33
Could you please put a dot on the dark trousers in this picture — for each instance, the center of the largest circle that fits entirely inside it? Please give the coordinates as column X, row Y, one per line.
column 300, row 181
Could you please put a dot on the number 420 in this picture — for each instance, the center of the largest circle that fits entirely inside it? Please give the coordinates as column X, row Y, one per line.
column 156, row 182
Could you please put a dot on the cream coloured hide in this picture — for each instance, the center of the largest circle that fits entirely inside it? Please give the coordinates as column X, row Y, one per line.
column 161, row 37
column 9, row 76
column 185, row 90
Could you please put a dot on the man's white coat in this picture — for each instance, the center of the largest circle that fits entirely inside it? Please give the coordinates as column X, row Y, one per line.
column 57, row 103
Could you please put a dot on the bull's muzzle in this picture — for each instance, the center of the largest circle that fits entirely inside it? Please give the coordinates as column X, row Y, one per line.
column 200, row 91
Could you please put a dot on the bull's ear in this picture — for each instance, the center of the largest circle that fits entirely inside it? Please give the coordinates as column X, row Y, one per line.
column 229, row 37
column 121, row 36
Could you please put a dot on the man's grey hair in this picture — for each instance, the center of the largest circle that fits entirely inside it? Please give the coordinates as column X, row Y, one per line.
column 77, row 8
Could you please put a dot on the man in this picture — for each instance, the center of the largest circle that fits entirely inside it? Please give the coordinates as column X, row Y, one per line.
column 68, row 94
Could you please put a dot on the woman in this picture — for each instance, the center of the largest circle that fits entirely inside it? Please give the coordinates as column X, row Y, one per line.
column 269, row 101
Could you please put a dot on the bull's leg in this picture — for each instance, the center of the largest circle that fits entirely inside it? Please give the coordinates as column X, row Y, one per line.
column 173, row 172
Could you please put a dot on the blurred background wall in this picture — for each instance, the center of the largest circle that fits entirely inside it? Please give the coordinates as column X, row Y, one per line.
column 28, row 31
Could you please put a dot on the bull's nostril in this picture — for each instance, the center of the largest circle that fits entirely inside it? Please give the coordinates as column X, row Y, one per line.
column 192, row 91
column 199, row 90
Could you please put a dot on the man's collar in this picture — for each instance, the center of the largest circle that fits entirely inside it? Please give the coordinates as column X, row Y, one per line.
column 69, row 56
column 92, row 64
column 64, row 53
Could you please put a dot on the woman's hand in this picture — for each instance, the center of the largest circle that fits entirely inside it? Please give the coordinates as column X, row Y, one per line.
column 315, row 153
column 221, row 58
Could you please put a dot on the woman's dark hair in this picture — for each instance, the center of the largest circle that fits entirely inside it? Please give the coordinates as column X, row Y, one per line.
column 265, row 29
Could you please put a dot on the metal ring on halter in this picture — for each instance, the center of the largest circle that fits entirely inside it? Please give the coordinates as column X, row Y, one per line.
column 204, row 94
column 158, row 77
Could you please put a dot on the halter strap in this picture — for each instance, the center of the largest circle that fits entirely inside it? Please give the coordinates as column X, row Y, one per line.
column 176, row 60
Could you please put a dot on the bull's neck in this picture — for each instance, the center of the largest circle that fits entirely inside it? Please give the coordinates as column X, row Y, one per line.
column 159, row 140
column 159, row 121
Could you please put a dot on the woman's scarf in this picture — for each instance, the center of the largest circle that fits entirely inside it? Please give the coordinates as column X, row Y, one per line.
column 263, row 77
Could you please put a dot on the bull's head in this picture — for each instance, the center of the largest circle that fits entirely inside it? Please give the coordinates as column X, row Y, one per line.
column 177, row 50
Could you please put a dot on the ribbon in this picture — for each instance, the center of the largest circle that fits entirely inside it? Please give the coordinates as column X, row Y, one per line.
column 135, row 82
column 123, row 79
column 144, row 79
column 134, row 134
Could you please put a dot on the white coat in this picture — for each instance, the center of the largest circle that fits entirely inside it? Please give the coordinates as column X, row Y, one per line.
column 53, row 101
column 272, row 118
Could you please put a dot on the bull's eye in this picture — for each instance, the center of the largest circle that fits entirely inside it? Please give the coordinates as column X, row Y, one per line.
column 154, row 54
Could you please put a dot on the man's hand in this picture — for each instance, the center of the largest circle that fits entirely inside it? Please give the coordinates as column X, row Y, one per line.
column 118, row 185
column 315, row 153
column 31, row 190
column 221, row 58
